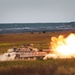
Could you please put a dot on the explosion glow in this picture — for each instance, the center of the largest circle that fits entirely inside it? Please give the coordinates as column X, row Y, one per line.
column 63, row 47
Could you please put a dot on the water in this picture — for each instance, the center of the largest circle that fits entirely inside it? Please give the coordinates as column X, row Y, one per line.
column 31, row 27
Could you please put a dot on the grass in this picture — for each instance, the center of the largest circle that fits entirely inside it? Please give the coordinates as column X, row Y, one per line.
column 49, row 67
column 40, row 41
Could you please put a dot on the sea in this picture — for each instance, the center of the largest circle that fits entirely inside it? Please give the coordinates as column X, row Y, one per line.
column 35, row 27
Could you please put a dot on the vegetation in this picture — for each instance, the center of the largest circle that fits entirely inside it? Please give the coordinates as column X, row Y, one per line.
column 40, row 41
column 49, row 67
column 34, row 67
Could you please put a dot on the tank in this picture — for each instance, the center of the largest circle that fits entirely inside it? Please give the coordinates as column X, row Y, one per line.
column 27, row 52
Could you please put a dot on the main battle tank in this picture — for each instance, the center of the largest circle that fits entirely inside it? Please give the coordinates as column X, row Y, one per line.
column 27, row 52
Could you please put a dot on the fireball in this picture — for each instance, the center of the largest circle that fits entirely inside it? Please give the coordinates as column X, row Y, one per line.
column 63, row 47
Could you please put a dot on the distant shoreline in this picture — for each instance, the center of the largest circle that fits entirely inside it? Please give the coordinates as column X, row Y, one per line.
column 35, row 27
column 44, row 31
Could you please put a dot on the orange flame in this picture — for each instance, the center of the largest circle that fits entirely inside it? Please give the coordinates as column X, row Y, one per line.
column 63, row 47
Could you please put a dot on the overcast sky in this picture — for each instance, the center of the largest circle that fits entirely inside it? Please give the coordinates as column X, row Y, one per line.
column 27, row 11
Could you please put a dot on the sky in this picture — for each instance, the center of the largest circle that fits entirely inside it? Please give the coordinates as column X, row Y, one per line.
column 37, row 11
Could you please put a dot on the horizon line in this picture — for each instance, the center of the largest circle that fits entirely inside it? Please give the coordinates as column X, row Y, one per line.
column 33, row 22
